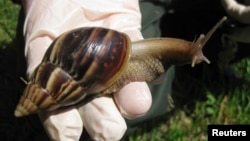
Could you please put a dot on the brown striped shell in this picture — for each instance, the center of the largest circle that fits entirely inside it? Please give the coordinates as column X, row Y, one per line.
column 80, row 62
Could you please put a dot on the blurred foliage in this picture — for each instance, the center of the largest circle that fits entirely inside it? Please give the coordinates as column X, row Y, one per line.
column 190, row 124
column 8, row 21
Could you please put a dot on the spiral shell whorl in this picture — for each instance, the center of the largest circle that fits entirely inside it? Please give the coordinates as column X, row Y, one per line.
column 56, row 89
column 94, row 57
column 78, row 63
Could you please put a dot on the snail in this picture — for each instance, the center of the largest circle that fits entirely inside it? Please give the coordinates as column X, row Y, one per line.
column 88, row 62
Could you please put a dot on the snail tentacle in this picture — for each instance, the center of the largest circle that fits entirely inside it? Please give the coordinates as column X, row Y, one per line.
column 201, row 42
column 199, row 56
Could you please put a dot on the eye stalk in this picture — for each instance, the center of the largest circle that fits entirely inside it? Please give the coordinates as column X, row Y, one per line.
column 201, row 42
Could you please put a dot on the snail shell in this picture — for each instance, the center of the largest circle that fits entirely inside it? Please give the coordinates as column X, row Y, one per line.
column 84, row 63
column 79, row 62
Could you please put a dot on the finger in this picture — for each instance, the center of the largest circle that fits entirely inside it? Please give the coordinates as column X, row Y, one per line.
column 63, row 125
column 35, row 52
column 134, row 100
column 102, row 119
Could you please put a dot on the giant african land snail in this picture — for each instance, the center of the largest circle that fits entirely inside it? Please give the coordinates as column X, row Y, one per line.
column 91, row 61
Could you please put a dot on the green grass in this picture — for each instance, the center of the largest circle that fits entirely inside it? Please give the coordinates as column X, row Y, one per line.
column 186, row 124
column 190, row 124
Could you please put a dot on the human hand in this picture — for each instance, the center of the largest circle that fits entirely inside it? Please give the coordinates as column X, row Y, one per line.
column 102, row 117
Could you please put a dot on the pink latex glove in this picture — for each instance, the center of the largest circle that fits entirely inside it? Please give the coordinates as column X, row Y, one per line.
column 102, row 117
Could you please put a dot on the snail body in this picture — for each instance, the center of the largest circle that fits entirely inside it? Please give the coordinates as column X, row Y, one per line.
column 85, row 63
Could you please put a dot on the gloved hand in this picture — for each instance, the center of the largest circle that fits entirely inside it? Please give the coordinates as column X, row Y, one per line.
column 102, row 117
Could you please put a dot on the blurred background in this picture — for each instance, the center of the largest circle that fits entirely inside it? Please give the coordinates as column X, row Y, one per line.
column 217, row 93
